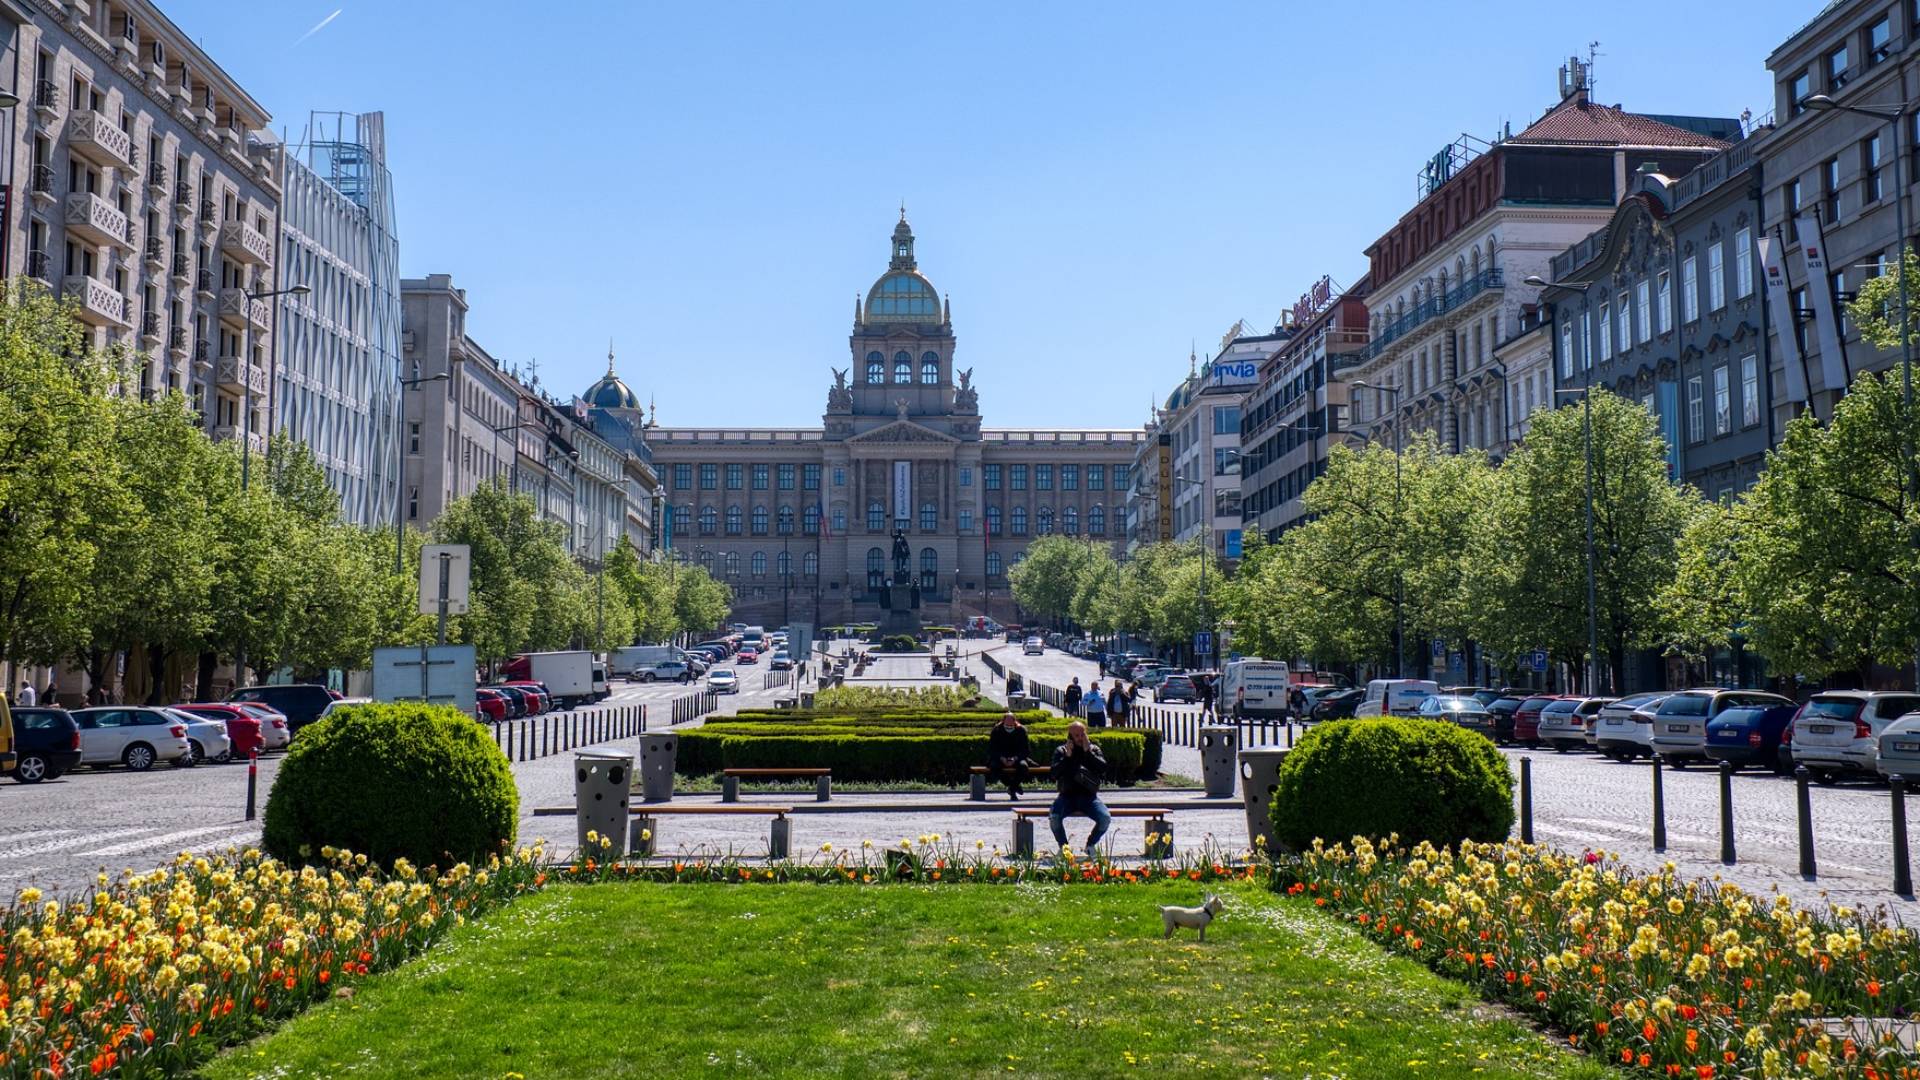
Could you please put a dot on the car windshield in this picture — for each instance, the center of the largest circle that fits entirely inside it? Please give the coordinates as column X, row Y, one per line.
column 1836, row 708
column 1451, row 704
column 1634, row 701
column 1535, row 704
column 1686, row 705
column 1560, row 706
column 1742, row 715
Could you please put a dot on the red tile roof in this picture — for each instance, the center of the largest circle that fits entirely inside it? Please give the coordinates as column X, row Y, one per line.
column 1582, row 122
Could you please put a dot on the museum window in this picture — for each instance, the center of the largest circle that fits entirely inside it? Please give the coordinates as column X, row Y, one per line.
column 784, row 475
column 810, row 520
column 839, row 476
column 966, row 476
column 993, row 521
column 1070, row 521
column 783, row 566
column 876, row 517
column 991, row 475
column 902, row 367
column 736, row 477
column 1096, row 477
column 709, row 477
column 810, row 564
column 682, row 477
column 1069, row 478
column 1019, row 521
column 993, row 564
column 1044, row 521
column 784, row 521
column 1043, row 478
column 733, row 521
column 1017, row 477
column 876, row 368
column 840, row 520
column 1119, row 478
column 760, row 473
column 930, row 369
column 709, row 520
column 1097, row 521
column 733, row 564
column 929, row 570
column 759, row 564
column 810, row 477
column 929, row 517
column 966, row 521
column 876, row 567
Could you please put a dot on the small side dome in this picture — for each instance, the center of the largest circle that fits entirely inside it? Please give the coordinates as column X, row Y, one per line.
column 610, row 392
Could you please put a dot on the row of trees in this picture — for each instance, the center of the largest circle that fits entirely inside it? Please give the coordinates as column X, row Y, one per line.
column 1157, row 591
column 124, row 531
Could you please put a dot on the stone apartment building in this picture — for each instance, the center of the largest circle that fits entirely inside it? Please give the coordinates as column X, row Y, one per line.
column 1297, row 413
column 140, row 184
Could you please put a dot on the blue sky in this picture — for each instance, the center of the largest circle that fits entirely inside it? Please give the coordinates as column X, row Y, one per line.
column 1095, row 185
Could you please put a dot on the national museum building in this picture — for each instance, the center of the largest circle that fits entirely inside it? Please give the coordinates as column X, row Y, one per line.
column 800, row 521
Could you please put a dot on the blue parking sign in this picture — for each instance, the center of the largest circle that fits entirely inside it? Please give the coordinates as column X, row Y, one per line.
column 1203, row 642
column 1537, row 660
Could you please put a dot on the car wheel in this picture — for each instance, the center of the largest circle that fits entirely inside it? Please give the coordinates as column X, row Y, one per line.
column 139, row 757
column 195, row 755
column 31, row 769
column 225, row 756
column 648, row 677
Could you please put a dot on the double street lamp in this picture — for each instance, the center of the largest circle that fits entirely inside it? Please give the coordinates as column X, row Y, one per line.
column 1586, row 438
column 1399, row 574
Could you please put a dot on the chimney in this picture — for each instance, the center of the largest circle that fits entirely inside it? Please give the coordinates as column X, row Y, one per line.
column 1573, row 81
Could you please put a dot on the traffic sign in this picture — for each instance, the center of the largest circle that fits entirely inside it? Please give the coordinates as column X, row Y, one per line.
column 1203, row 642
column 1537, row 660
column 444, row 572
column 1439, row 648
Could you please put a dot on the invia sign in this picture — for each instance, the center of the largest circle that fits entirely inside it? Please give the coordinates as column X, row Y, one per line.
column 1235, row 372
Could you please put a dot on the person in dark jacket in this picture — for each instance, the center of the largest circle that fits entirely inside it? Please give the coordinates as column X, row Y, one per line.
column 1072, row 698
column 1009, row 753
column 1078, row 767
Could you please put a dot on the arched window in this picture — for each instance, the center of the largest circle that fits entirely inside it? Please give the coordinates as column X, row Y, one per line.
column 993, row 521
column 876, row 567
column 1019, row 521
column 902, row 367
column 929, row 570
column 759, row 521
column 733, row 564
column 929, row 517
column 1096, row 520
column 709, row 520
column 1045, row 523
column 682, row 518
column 1070, row 521
column 810, row 564
column 876, row 368
column 783, row 565
column 993, row 564
column 786, row 521
column 706, row 561
column 929, row 368
column 733, row 521
column 876, row 517
column 759, row 564
column 810, row 520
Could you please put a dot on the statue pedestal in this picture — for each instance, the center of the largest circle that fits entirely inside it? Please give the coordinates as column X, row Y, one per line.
column 901, row 614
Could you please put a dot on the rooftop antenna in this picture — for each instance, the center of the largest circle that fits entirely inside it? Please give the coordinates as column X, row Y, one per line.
column 1593, row 50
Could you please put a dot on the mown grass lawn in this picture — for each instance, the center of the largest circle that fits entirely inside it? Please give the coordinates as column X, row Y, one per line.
column 903, row 980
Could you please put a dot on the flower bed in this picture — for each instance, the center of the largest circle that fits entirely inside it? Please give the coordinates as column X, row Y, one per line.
column 1654, row 974
column 153, row 973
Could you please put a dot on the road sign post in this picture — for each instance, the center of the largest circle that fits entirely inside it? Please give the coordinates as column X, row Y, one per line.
column 444, row 577
column 1203, row 643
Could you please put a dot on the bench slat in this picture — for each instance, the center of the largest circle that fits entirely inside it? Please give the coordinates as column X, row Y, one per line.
column 776, row 772
column 662, row 810
column 983, row 770
column 1113, row 811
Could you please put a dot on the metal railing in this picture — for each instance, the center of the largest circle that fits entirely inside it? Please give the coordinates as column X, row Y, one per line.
column 177, row 338
column 1433, row 307
column 183, row 194
column 156, row 248
column 150, row 324
column 46, row 95
column 43, row 177
column 39, row 266
column 182, row 265
column 205, row 281
column 157, row 174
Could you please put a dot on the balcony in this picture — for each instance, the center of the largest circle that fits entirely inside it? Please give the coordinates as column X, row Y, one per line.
column 46, row 98
column 42, row 183
column 39, row 266
column 1432, row 308
column 157, row 179
column 237, row 308
column 99, row 140
column 246, row 243
column 97, row 220
column 200, row 355
column 183, row 196
column 256, row 442
column 182, row 269
column 150, row 328
column 207, row 220
column 179, row 341
column 95, row 301
column 203, row 284
column 234, row 375
column 156, row 253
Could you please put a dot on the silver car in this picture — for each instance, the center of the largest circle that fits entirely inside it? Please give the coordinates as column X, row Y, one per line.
column 206, row 738
column 1680, row 724
column 131, row 736
column 1839, row 732
column 1458, row 709
column 1624, row 729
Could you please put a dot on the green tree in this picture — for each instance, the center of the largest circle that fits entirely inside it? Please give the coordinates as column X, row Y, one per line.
column 1530, row 553
column 1047, row 576
column 1875, row 309
column 1703, row 606
column 514, row 557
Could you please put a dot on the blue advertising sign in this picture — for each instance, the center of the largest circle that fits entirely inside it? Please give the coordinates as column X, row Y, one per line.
column 1235, row 546
column 1203, row 642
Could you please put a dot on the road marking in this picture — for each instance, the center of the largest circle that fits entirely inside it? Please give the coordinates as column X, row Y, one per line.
column 154, row 841
column 69, row 842
column 35, row 834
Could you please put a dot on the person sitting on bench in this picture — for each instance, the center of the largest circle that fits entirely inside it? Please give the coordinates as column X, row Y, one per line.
column 1078, row 767
column 1009, row 753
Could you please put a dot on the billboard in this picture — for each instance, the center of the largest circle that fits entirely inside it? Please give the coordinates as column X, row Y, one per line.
column 1234, row 373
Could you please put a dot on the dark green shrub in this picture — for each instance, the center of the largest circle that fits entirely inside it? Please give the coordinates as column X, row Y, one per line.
column 1420, row 779
column 399, row 780
column 900, row 643
column 895, row 755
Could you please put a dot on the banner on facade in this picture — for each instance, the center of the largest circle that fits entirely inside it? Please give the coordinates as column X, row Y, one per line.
column 1773, row 265
column 1826, row 316
column 902, row 491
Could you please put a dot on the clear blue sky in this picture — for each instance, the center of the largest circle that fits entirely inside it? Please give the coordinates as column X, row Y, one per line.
column 1095, row 185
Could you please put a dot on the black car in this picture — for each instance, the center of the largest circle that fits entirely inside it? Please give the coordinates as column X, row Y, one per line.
column 1501, row 709
column 48, row 744
column 1338, row 705
column 300, row 703
column 517, row 700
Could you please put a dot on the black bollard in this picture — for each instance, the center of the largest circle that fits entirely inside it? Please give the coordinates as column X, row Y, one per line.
column 1289, row 734
column 1659, row 808
column 546, row 737
column 253, row 779
column 1726, row 813
column 1803, row 799
column 526, row 736
column 1526, row 800
column 1902, row 872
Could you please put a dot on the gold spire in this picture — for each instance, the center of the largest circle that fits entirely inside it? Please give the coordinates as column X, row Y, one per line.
column 609, row 357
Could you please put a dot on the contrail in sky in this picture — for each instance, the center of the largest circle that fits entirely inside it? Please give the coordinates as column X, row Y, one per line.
column 319, row 26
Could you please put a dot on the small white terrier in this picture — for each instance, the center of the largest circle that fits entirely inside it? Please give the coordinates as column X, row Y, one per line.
column 1193, row 918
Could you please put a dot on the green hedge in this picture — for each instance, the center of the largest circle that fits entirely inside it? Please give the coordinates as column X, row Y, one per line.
column 1420, row 779
column 936, row 758
column 1041, row 725
column 420, row 782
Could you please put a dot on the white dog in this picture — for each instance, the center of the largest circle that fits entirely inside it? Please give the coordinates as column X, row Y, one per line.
column 1193, row 918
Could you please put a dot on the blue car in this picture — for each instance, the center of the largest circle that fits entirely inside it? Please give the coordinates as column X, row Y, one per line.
column 1751, row 735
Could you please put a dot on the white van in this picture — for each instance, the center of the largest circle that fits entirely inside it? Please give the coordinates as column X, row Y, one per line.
column 1395, row 697
column 629, row 661
column 1265, row 684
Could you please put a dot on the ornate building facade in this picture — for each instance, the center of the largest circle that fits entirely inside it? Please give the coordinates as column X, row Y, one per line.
column 800, row 520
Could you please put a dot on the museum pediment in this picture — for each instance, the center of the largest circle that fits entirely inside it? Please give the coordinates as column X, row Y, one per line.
column 904, row 431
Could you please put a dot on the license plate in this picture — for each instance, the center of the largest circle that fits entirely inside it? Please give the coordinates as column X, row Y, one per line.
column 1907, row 747
column 1615, row 722
column 1676, row 729
column 1820, row 729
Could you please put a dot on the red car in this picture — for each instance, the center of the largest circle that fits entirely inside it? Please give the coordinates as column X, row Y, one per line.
column 1526, row 718
column 489, row 706
column 748, row 656
column 243, row 728
column 539, row 700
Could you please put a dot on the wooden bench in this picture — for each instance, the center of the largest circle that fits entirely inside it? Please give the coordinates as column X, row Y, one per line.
column 644, row 831
column 979, row 773
column 730, row 781
column 1159, row 830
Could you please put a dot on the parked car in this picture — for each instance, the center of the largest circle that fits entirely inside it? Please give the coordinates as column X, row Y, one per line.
column 342, row 703
column 300, row 703
column 274, row 732
column 1680, row 724
column 207, row 738
column 1176, row 688
column 518, row 700
column 782, row 661
column 1589, row 713
column 664, row 671
column 1338, row 705
column 1750, row 735
column 242, row 727
column 1395, row 697
column 129, row 735
column 1624, row 729
column 1561, row 726
column 46, row 744
column 748, row 655
column 723, row 681
column 1526, row 718
column 1033, row 647
column 1899, row 747
column 1500, row 714
column 538, row 700
column 1150, row 676
column 489, row 706
column 1458, row 709
column 1840, row 731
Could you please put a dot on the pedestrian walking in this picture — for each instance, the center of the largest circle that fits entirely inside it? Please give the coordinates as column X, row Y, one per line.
column 1072, row 697
column 1095, row 703
column 24, row 698
column 1204, row 685
column 1117, row 705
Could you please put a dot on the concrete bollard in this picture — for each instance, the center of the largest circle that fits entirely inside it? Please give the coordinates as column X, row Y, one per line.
column 1159, row 838
column 1022, row 847
column 1219, row 749
column 657, row 753
column 1902, row 871
column 1803, row 803
column 1726, row 813
column 824, row 790
column 780, row 838
column 601, row 783
column 1659, row 808
column 977, row 788
column 1259, row 778
column 729, row 789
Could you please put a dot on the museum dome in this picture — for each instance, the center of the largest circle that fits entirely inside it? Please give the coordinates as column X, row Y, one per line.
column 903, row 294
column 610, row 392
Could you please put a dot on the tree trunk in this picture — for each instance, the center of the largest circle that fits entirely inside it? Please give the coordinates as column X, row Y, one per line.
column 157, row 675
column 203, row 677
column 97, row 670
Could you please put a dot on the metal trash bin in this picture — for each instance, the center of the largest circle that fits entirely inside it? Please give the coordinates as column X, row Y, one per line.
column 1218, row 747
column 657, row 752
column 601, row 784
column 1259, row 776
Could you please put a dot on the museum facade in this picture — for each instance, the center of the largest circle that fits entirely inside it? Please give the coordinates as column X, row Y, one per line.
column 801, row 521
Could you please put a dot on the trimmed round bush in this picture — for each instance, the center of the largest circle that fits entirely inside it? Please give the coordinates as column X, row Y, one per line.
column 1419, row 779
column 389, row 781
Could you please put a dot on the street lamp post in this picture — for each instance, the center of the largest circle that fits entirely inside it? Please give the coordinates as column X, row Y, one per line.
column 1399, row 574
column 1586, row 439
column 1206, row 552
column 1896, row 118
column 246, row 385
column 400, row 469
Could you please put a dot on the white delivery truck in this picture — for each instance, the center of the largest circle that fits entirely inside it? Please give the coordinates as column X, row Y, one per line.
column 1265, row 684
column 628, row 661
column 1395, row 697
column 568, row 676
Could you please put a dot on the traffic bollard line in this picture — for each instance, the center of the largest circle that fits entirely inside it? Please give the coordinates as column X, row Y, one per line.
column 1659, row 808
column 1803, row 800
column 1526, row 800
column 1726, row 813
column 1902, row 871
